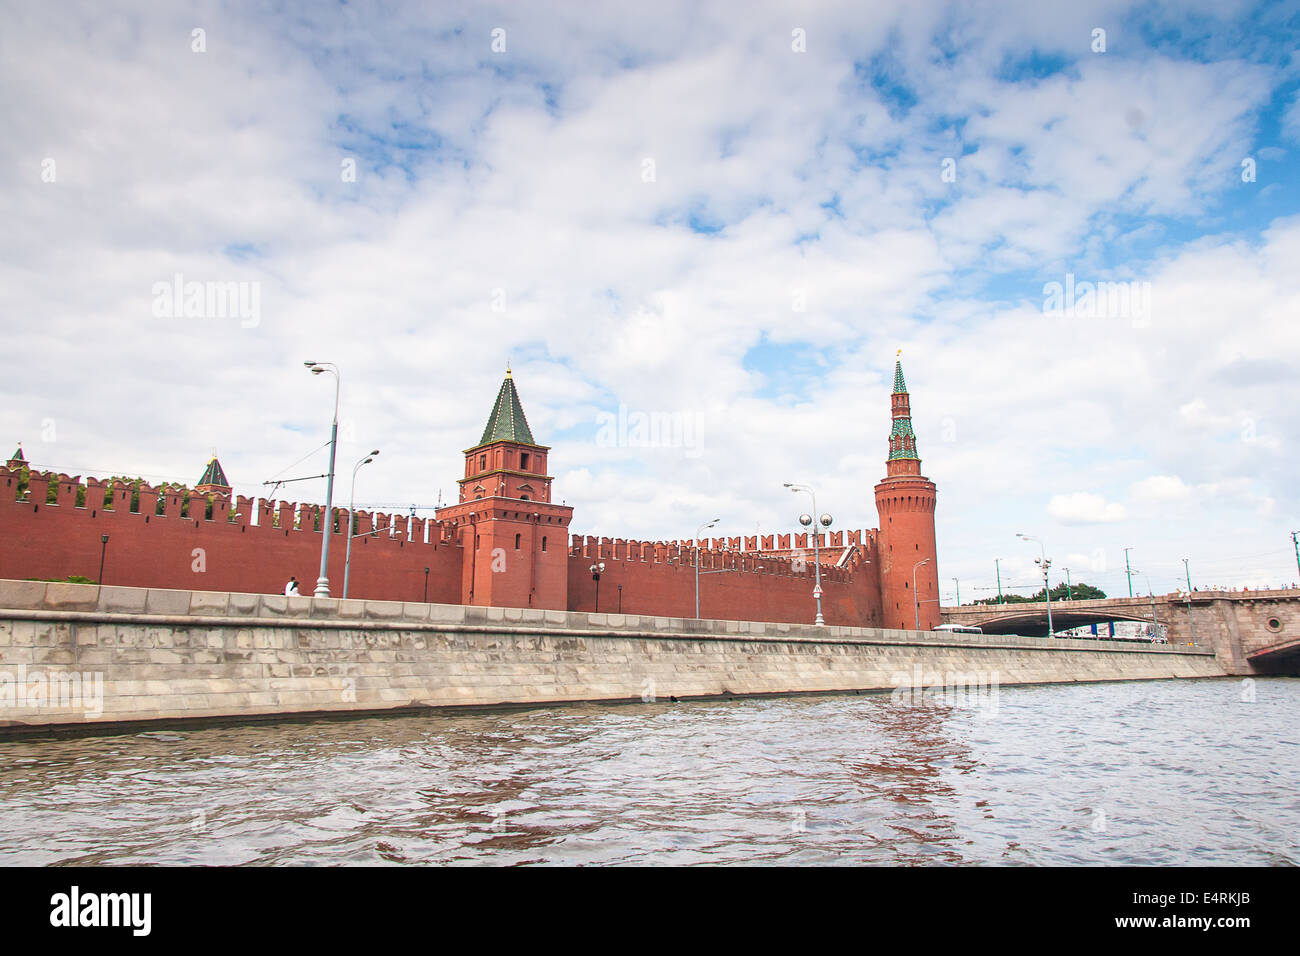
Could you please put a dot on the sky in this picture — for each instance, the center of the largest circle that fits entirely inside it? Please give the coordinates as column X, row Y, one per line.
column 720, row 219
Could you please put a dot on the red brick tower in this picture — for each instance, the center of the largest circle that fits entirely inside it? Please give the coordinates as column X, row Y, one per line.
column 905, row 501
column 515, row 540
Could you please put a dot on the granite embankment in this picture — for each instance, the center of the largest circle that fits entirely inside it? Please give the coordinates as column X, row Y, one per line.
column 89, row 657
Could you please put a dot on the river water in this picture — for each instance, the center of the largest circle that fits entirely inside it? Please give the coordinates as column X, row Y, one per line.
column 1167, row 772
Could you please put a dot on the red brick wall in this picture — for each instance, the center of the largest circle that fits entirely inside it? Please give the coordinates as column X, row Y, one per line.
column 663, row 583
column 148, row 550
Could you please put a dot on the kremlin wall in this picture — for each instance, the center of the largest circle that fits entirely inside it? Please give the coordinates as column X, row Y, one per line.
column 504, row 543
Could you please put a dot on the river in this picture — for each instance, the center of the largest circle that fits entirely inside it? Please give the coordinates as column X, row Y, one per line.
column 1158, row 773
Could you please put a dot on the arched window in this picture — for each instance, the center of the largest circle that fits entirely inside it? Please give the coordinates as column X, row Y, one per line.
column 523, row 497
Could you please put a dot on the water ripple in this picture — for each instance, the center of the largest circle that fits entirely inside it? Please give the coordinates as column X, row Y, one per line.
column 1164, row 773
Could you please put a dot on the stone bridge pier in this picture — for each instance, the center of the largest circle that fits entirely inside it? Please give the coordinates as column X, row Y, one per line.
column 1251, row 632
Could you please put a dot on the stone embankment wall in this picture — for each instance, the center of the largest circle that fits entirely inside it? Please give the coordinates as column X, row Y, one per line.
column 181, row 655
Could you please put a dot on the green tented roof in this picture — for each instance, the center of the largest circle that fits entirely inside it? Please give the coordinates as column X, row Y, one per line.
column 507, row 421
column 214, row 474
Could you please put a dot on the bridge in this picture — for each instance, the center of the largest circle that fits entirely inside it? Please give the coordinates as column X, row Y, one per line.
column 1252, row 632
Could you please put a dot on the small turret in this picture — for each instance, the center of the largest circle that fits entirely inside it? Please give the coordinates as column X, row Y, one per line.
column 515, row 538
column 214, row 481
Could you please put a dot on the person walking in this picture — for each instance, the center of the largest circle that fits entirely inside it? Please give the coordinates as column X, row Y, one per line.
column 291, row 589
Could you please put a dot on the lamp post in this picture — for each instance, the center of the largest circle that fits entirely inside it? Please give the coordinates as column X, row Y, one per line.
column 1069, row 594
column 825, row 522
column 1047, row 590
column 103, row 549
column 352, row 504
column 426, row 585
column 1296, row 542
column 595, row 576
column 958, row 583
column 1191, row 622
column 327, row 526
column 1128, row 571
column 1155, row 618
column 916, row 604
column 699, row 531
column 620, row 599
column 998, row 571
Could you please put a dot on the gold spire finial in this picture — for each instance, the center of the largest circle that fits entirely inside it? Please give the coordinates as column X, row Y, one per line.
column 508, row 368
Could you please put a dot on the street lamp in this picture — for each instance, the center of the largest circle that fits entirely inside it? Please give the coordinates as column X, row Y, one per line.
column 806, row 520
column 1069, row 592
column 997, row 569
column 1190, row 621
column 1047, row 591
column 352, row 504
column 1155, row 618
column 958, row 583
column 596, row 569
column 916, row 604
column 103, row 549
column 327, row 526
column 699, row 532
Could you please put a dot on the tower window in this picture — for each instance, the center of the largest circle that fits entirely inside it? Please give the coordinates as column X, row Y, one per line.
column 523, row 460
column 482, row 462
column 516, row 542
column 543, row 542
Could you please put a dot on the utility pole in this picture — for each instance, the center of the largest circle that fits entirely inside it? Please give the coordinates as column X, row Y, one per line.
column 1154, row 616
column 1128, row 571
column 998, row 570
column 1045, row 563
column 916, row 604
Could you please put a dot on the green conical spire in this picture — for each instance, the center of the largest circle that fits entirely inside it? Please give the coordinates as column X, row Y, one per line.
column 214, row 474
column 902, row 440
column 507, row 421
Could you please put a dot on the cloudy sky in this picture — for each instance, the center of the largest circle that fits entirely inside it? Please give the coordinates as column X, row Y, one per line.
column 723, row 217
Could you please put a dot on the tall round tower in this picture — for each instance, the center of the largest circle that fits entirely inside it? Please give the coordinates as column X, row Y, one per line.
column 905, row 502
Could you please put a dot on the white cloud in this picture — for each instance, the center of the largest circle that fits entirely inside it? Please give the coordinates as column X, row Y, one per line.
column 1084, row 508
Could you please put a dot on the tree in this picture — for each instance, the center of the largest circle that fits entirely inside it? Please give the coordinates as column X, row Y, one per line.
column 1079, row 592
